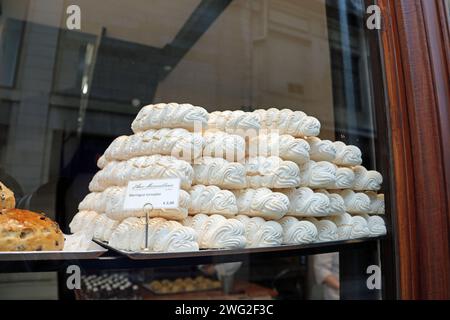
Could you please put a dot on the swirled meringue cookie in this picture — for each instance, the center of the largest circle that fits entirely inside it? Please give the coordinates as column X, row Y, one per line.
column 212, row 200
column 104, row 227
column 305, row 202
column 317, row 175
column 327, row 229
column 262, row 202
column 177, row 238
column 345, row 178
column 129, row 235
column 376, row 225
column 102, row 162
column 284, row 146
column 360, row 229
column 220, row 144
column 237, row 122
column 337, row 204
column 367, row 180
column 115, row 198
column 142, row 168
column 294, row 123
column 376, row 202
column 94, row 201
column 218, row 232
column 178, row 143
column 260, row 233
column 355, row 202
column 271, row 172
column 321, row 150
column 344, row 224
column 219, row 172
column 298, row 232
column 82, row 221
column 170, row 115
column 347, row 155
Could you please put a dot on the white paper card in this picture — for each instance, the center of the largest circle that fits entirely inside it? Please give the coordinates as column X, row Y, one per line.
column 160, row 193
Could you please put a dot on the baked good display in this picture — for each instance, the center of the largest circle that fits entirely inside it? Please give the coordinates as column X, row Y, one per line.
column 271, row 172
column 7, row 200
column 261, row 233
column 23, row 230
column 181, row 285
column 219, row 172
column 321, row 150
column 212, row 200
column 294, row 123
column 284, row 146
column 142, row 168
column 170, row 115
column 219, row 144
column 178, row 143
column 237, row 171
column 347, row 155
column 262, row 202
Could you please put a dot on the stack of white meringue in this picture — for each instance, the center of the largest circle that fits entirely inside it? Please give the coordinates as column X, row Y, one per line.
column 248, row 179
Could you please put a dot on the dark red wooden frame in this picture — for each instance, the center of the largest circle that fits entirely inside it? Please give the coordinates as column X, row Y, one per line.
column 416, row 49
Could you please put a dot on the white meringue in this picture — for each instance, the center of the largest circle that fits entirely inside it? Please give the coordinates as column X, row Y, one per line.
column 262, row 202
column 360, row 229
column 260, row 233
column 218, row 144
column 317, row 175
column 237, row 122
column 355, row 202
column 376, row 225
column 347, row 155
column 212, row 200
column 321, row 150
column 178, row 143
column 367, row 180
column 294, row 123
column 142, row 168
column 298, row 232
column 219, row 172
column 376, row 202
column 284, row 146
column 344, row 224
column 337, row 204
column 305, row 202
column 345, row 178
column 170, row 115
column 271, row 172
column 327, row 229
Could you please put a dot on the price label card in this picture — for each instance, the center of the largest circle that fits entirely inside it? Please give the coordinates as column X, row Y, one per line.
column 161, row 194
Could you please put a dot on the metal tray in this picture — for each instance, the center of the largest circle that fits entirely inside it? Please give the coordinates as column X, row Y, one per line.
column 157, row 255
column 95, row 252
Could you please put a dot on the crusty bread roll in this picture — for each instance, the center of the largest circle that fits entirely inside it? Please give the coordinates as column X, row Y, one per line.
column 7, row 200
column 23, row 230
column 170, row 115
